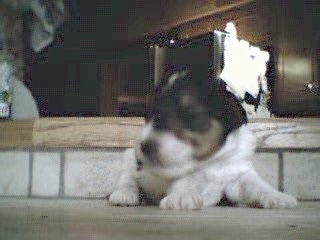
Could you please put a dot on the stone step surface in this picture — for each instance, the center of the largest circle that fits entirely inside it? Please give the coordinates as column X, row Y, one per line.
column 38, row 219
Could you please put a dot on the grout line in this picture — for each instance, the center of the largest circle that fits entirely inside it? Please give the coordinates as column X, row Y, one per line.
column 31, row 160
column 62, row 197
column 70, row 149
column 287, row 149
column 61, row 176
column 281, row 173
column 120, row 150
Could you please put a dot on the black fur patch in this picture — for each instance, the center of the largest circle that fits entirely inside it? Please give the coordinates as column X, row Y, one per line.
column 208, row 99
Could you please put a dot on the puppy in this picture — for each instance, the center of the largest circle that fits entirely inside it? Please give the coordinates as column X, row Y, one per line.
column 195, row 150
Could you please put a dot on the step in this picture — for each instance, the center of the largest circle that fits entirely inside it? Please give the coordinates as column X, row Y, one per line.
column 82, row 157
column 57, row 219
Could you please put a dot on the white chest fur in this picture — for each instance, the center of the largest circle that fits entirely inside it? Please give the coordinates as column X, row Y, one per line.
column 227, row 172
column 223, row 167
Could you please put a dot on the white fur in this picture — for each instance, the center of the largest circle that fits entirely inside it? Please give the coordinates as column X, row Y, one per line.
column 173, row 77
column 175, row 156
column 181, row 182
column 126, row 193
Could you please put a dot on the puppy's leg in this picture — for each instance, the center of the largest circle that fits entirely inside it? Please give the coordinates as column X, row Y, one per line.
column 182, row 200
column 126, row 192
column 212, row 194
column 252, row 190
column 183, row 195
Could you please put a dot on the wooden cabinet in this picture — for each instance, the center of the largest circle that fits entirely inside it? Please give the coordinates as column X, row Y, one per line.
column 289, row 29
column 97, row 53
column 296, row 40
column 126, row 83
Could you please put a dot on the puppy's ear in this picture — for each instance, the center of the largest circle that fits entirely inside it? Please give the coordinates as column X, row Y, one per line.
column 171, row 70
column 225, row 106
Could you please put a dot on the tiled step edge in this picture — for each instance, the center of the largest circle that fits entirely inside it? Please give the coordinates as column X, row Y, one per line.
column 91, row 172
column 289, row 134
column 78, row 173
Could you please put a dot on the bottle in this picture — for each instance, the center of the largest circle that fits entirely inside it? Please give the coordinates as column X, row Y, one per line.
column 6, row 76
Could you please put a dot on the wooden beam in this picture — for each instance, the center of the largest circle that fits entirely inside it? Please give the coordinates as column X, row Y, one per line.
column 16, row 134
column 162, row 16
column 273, row 134
column 249, row 24
column 221, row 8
column 71, row 132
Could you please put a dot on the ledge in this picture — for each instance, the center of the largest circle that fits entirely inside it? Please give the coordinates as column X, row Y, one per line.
column 294, row 134
column 83, row 157
column 287, row 134
column 70, row 132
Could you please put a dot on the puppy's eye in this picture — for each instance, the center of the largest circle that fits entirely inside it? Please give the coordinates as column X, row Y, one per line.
column 159, row 123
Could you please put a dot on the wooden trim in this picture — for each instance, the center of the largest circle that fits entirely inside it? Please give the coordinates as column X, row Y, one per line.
column 71, row 132
column 110, row 79
column 15, row 134
column 250, row 25
column 97, row 133
column 210, row 12
column 176, row 14
column 131, row 99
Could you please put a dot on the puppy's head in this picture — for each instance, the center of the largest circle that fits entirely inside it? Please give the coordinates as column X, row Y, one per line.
column 191, row 118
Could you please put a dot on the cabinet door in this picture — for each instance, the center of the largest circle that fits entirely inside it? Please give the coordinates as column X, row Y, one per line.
column 296, row 35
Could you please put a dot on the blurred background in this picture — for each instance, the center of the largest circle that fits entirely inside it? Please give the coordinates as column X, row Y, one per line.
column 99, row 63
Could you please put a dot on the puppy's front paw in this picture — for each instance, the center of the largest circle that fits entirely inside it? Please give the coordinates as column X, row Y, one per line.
column 182, row 201
column 278, row 200
column 124, row 197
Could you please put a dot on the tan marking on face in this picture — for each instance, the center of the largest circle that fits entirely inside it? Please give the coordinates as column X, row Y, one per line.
column 206, row 143
column 186, row 101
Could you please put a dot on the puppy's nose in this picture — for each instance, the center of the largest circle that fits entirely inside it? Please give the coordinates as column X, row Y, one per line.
column 148, row 147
